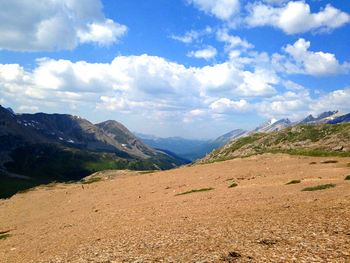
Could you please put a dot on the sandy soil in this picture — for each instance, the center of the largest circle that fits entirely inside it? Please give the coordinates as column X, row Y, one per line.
column 138, row 217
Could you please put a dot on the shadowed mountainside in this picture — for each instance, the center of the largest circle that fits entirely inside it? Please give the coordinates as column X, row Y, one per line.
column 41, row 148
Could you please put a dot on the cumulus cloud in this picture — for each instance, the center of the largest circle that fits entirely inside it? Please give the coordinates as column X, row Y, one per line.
column 158, row 89
column 105, row 33
column 296, row 17
column 300, row 60
column 297, row 104
column 222, row 9
column 337, row 100
column 291, row 104
column 58, row 24
column 139, row 84
column 207, row 53
column 258, row 82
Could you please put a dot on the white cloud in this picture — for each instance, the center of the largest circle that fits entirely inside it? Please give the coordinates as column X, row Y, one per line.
column 160, row 91
column 335, row 100
column 258, row 83
column 105, row 33
column 289, row 104
column 57, row 24
column 145, row 85
column 302, row 61
column 207, row 53
column 298, row 103
column 296, row 17
column 192, row 35
column 189, row 37
column 277, row 2
column 222, row 9
column 290, row 85
column 195, row 115
column 232, row 41
column 228, row 80
column 224, row 105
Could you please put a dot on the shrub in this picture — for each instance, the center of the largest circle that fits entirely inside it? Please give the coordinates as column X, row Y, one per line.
column 319, row 187
column 294, row 182
column 233, row 185
column 195, row 191
column 4, row 236
column 329, row 161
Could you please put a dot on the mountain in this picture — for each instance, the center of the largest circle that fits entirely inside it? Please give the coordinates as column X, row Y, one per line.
column 195, row 149
column 41, row 148
column 211, row 145
column 125, row 140
column 271, row 125
column 10, row 110
column 323, row 118
column 318, row 140
column 228, row 137
column 176, row 145
column 340, row 119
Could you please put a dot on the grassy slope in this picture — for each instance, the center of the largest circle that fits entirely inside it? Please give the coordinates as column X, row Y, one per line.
column 300, row 140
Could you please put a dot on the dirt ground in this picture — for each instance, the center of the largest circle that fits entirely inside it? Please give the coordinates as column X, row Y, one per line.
column 133, row 217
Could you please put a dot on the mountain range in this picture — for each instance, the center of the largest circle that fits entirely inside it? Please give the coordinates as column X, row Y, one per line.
column 195, row 149
column 41, row 148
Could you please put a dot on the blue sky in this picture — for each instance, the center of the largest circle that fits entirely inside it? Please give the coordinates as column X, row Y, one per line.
column 190, row 68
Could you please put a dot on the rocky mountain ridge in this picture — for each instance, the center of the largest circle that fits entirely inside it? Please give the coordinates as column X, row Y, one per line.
column 328, row 117
column 314, row 140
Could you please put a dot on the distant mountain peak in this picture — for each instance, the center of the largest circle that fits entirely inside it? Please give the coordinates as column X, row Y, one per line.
column 272, row 121
column 326, row 114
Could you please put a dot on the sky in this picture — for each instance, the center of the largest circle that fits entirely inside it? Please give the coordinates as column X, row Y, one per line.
column 189, row 68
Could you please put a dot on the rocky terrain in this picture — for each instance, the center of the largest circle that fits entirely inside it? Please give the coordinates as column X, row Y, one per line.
column 317, row 140
column 249, row 213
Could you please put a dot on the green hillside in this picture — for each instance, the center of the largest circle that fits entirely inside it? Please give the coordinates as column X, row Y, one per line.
column 322, row 140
